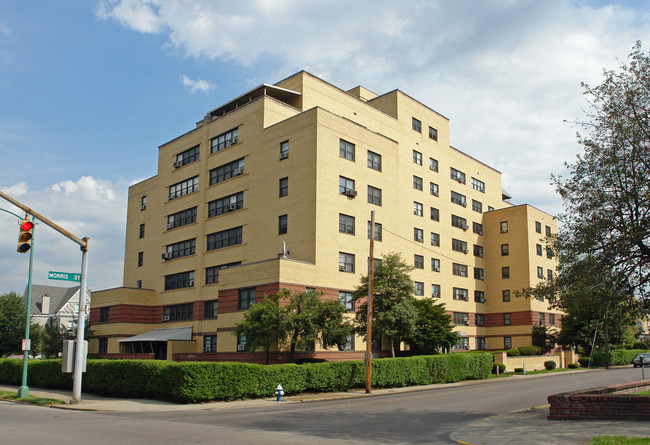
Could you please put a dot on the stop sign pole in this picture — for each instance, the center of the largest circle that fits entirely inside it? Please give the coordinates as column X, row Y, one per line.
column 81, row 320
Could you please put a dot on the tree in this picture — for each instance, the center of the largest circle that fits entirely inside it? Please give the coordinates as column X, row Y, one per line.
column 607, row 194
column 544, row 337
column 12, row 323
column 433, row 328
column 394, row 312
column 263, row 323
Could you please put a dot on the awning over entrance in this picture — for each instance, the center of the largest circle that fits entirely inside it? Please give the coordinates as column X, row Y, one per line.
column 162, row 335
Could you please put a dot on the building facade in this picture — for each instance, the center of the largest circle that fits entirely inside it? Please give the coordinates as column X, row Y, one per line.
column 275, row 190
column 56, row 306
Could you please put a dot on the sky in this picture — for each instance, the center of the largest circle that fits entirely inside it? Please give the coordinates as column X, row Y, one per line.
column 89, row 89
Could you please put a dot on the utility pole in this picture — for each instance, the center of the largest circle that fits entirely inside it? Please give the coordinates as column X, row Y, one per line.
column 371, row 276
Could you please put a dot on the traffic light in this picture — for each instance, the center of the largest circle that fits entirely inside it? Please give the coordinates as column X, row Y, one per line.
column 25, row 236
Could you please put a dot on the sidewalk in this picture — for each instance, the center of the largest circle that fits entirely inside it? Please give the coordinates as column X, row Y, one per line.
column 530, row 426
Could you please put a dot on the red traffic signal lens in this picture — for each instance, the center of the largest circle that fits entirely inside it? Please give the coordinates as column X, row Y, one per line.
column 26, row 225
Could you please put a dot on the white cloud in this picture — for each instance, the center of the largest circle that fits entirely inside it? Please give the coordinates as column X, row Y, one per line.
column 199, row 85
column 87, row 207
column 138, row 15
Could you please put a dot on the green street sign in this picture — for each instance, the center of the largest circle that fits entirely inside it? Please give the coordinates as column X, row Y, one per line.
column 64, row 276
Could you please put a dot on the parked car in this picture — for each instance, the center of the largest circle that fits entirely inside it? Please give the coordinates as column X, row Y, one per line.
column 641, row 359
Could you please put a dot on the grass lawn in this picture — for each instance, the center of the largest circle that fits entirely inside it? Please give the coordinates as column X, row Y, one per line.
column 618, row 440
column 643, row 393
column 7, row 395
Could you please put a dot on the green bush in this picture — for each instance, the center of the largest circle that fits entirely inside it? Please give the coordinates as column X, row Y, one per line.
column 573, row 365
column 519, row 370
column 549, row 365
column 617, row 357
column 514, row 352
column 640, row 345
column 529, row 350
column 584, row 361
column 500, row 366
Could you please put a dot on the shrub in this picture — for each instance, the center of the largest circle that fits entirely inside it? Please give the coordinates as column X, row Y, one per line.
column 640, row 345
column 300, row 361
column 519, row 369
column 550, row 365
column 573, row 365
column 616, row 357
column 528, row 350
column 584, row 361
column 514, row 352
column 500, row 366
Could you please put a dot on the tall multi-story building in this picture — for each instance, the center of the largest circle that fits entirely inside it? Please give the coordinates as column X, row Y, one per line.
column 275, row 189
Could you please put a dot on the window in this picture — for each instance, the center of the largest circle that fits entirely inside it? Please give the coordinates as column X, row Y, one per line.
column 242, row 343
column 187, row 156
column 138, row 284
column 227, row 171
column 374, row 161
column 419, row 288
column 416, row 125
column 103, row 345
column 141, row 230
column 211, row 309
column 435, row 239
column 284, row 150
column 478, row 251
column 349, row 344
column 246, row 298
column 479, row 296
column 507, row 342
column 505, row 272
column 433, row 133
column 224, row 140
column 377, row 231
column 480, row 343
column 459, row 222
column 479, row 274
column 551, row 319
column 346, row 224
column 477, row 228
column 462, row 342
column 418, row 235
column 459, row 199
column 179, row 280
column 542, row 319
column 143, row 203
column 346, row 301
column 540, row 272
column 374, row 195
column 183, row 188
column 418, row 261
column 459, row 269
column 284, row 186
column 140, row 259
column 282, row 224
column 505, row 295
column 538, row 248
column 209, row 343
column 457, row 175
column 180, row 249
column 506, row 319
column 548, row 231
column 417, row 208
column 212, row 273
column 433, row 164
column 435, row 291
column 460, row 294
column 490, row 209
column 505, row 249
column 225, row 204
column 549, row 252
column 504, row 226
column 433, row 189
column 417, row 182
column 435, row 214
column 461, row 318
column 479, row 319
column 477, row 206
column 478, row 185
column 178, row 312
column 435, row 264
column 346, row 150
column 458, row 245
column 104, row 314
column 346, row 262
column 182, row 218
column 538, row 227
column 549, row 274
column 224, row 238
column 346, row 186
column 417, row 157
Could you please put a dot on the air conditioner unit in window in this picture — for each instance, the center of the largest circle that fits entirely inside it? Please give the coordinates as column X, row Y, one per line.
column 436, row 269
column 432, row 167
column 465, row 251
column 189, row 283
column 234, row 141
column 417, row 212
column 284, row 155
column 239, row 171
column 170, row 225
column 165, row 318
column 143, row 206
column 342, row 268
column 435, row 193
column 466, row 322
column 241, row 347
column 465, row 227
column 419, row 239
column 435, row 295
column 466, row 347
column 167, row 256
column 464, row 204
column 481, row 300
column 178, row 164
column 351, row 192
column 171, row 196
column 434, row 243
column 206, row 349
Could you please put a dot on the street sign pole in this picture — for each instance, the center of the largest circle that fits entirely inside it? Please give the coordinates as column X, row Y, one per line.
column 79, row 355
column 23, row 390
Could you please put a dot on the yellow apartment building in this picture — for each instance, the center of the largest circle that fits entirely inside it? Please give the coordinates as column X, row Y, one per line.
column 275, row 189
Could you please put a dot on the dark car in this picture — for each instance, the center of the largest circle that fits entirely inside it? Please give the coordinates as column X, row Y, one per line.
column 641, row 359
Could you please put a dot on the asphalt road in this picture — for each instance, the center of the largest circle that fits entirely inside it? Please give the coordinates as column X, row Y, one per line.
column 426, row 416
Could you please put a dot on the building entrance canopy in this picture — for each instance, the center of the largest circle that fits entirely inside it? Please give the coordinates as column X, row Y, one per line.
column 161, row 335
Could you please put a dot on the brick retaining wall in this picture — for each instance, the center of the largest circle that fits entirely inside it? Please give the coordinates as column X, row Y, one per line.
column 605, row 403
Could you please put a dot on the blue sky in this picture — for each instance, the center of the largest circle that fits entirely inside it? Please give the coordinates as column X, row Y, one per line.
column 90, row 89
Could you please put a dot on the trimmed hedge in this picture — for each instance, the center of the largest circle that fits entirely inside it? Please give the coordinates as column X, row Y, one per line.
column 549, row 365
column 616, row 357
column 191, row 382
column 514, row 352
column 500, row 366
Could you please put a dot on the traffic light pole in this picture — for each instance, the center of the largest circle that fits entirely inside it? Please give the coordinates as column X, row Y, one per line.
column 23, row 390
column 81, row 320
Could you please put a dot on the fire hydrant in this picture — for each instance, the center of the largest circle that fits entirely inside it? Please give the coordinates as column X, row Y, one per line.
column 279, row 393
